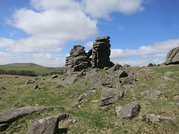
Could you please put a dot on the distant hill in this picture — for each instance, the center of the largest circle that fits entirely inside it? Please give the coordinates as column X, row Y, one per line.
column 37, row 69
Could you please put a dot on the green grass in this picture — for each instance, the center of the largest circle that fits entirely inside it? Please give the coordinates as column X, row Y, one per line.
column 41, row 70
column 90, row 119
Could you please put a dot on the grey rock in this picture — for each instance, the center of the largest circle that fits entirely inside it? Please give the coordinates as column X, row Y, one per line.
column 36, row 86
column 47, row 125
column 176, row 97
column 30, row 82
column 110, row 95
column 54, row 76
column 173, row 56
column 14, row 114
column 114, row 68
column 129, row 111
column 84, row 95
column 157, row 118
column 151, row 94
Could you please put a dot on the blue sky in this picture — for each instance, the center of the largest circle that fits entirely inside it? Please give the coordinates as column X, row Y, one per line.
column 39, row 31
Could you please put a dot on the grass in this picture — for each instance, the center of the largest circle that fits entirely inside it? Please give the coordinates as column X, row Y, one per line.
column 90, row 119
column 41, row 70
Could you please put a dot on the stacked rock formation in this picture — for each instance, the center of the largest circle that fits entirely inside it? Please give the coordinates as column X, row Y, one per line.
column 173, row 56
column 101, row 52
column 78, row 59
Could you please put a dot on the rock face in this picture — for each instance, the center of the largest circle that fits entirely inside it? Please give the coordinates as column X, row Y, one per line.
column 48, row 125
column 129, row 111
column 78, row 59
column 101, row 52
column 173, row 56
column 14, row 114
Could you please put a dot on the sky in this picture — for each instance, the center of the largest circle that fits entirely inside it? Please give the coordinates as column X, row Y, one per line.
column 44, row 31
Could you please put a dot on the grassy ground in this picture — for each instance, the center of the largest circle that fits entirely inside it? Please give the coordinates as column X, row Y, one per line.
column 90, row 119
column 41, row 70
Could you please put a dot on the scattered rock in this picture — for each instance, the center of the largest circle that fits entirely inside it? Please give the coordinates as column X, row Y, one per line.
column 129, row 111
column 84, row 95
column 176, row 97
column 173, row 56
column 48, row 125
column 110, row 95
column 54, row 76
column 30, row 82
column 36, row 86
column 126, row 66
column 151, row 93
column 114, row 68
column 157, row 118
column 14, row 114
column 150, row 65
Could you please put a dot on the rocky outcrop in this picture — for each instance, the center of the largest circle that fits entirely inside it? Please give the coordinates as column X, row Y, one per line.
column 78, row 59
column 173, row 56
column 129, row 111
column 11, row 115
column 47, row 125
column 101, row 52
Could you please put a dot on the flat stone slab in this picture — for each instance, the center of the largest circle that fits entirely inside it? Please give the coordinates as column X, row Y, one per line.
column 157, row 118
column 14, row 114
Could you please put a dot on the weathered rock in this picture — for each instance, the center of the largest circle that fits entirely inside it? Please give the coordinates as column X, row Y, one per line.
column 176, row 97
column 14, row 114
column 48, row 125
column 36, row 86
column 114, row 68
column 84, row 95
column 129, row 111
column 68, row 80
column 157, row 118
column 101, row 52
column 78, row 59
column 151, row 93
column 173, row 56
column 54, row 76
column 150, row 65
column 4, row 126
column 30, row 82
column 110, row 95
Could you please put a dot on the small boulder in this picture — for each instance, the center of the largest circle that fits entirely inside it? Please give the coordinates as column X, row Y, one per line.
column 110, row 95
column 30, row 82
column 54, row 76
column 176, row 97
column 48, row 125
column 151, row 94
column 173, row 56
column 36, row 86
column 157, row 118
column 114, row 68
column 129, row 111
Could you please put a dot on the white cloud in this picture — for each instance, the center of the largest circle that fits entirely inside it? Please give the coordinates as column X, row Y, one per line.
column 102, row 8
column 155, row 53
column 50, row 25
